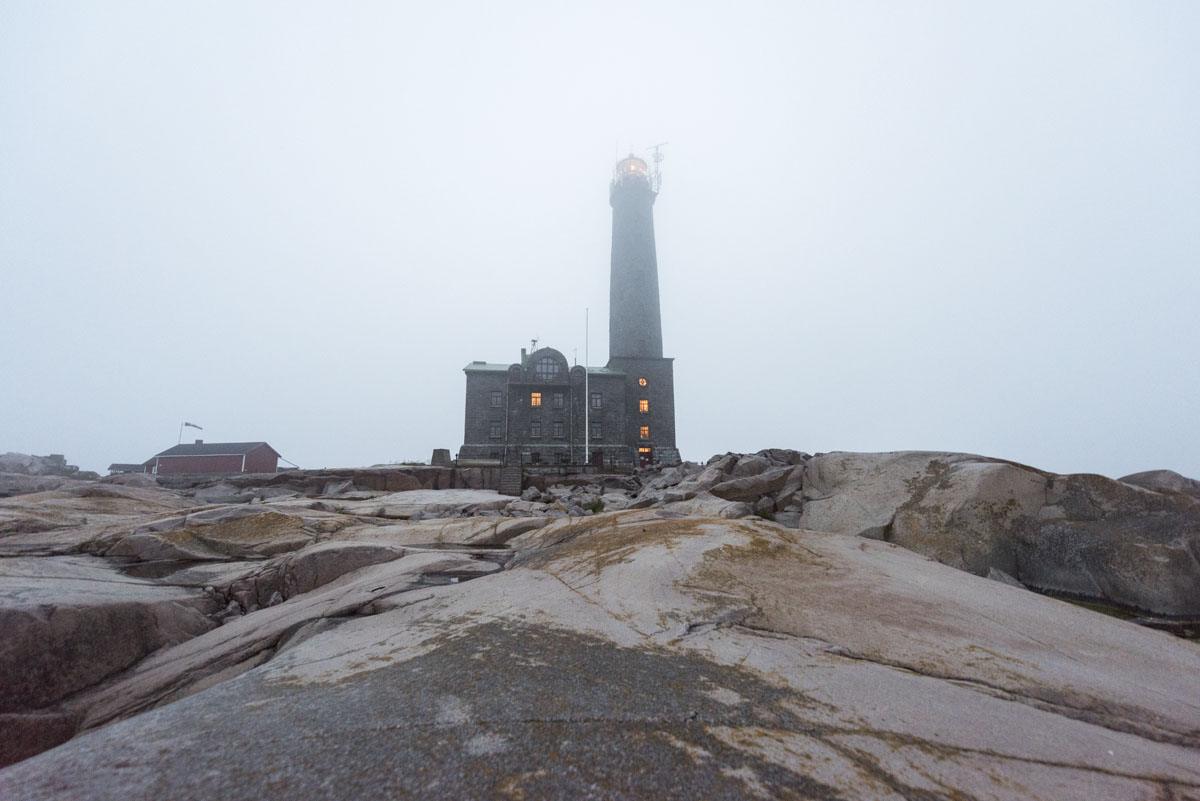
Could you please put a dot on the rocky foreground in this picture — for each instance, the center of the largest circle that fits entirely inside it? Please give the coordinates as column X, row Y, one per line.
column 774, row 625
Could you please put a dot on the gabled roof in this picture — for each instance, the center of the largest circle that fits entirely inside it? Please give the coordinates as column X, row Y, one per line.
column 216, row 449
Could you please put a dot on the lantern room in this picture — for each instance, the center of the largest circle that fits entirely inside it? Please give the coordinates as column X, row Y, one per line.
column 631, row 167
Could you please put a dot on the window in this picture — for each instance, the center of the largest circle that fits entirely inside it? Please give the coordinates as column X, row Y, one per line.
column 494, row 455
column 646, row 450
column 494, row 430
column 535, row 458
column 558, row 430
column 558, row 400
column 642, row 381
column 597, row 431
column 546, row 368
column 644, row 406
column 535, row 429
column 597, row 400
column 497, row 398
column 644, row 432
column 535, row 399
column 564, row 457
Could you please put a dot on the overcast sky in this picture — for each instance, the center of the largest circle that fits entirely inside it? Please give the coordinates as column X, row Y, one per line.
column 883, row 226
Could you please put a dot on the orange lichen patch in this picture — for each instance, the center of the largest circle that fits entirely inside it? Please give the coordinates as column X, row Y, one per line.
column 765, row 553
column 593, row 544
column 240, row 530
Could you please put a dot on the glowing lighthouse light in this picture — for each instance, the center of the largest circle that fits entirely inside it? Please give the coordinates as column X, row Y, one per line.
column 632, row 165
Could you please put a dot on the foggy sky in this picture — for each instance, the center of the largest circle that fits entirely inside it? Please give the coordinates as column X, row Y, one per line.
column 883, row 226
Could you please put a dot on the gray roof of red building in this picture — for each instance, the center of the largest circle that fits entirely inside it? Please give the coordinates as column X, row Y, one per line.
column 215, row 449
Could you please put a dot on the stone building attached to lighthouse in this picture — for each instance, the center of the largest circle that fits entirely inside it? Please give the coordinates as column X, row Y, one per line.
column 540, row 410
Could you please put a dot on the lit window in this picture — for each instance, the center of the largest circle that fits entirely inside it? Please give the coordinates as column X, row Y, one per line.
column 546, row 368
column 535, row 399
column 646, row 451
column 597, row 431
column 642, row 381
column 535, row 429
column 644, row 406
column 644, row 432
column 497, row 398
column 494, row 430
column 597, row 400
column 558, row 400
column 558, row 430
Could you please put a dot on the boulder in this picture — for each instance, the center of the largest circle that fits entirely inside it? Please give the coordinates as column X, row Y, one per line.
column 668, row 477
column 523, row 507
column 706, row 504
column 784, row 456
column 751, row 465
column 787, row 518
column 752, row 487
column 1164, row 481
column 1082, row 536
column 789, row 495
column 53, row 465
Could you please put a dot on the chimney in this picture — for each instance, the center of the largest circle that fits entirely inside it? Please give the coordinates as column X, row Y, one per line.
column 199, row 442
column 523, row 357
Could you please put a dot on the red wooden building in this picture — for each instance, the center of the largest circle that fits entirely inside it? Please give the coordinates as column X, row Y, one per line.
column 215, row 457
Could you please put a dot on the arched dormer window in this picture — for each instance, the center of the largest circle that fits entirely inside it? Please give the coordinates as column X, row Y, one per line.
column 546, row 368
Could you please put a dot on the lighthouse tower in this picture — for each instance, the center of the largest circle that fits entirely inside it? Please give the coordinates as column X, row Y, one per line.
column 635, row 320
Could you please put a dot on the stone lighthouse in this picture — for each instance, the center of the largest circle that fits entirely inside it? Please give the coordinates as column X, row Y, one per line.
column 543, row 411
column 634, row 318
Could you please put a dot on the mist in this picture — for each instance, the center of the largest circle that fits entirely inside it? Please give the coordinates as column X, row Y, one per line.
column 968, row 227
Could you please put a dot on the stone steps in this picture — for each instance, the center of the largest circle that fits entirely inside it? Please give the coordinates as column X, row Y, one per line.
column 510, row 480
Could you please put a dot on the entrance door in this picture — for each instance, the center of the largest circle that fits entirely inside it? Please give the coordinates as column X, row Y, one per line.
column 645, row 456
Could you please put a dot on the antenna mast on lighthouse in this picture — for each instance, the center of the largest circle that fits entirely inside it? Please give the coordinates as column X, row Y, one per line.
column 657, row 158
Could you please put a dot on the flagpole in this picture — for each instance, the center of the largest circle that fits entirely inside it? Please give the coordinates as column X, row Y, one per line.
column 587, row 396
column 180, row 440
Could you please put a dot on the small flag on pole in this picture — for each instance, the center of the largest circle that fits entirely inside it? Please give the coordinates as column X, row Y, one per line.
column 193, row 425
